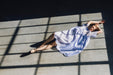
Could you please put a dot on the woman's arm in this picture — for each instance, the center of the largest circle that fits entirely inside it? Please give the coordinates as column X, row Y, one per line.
column 96, row 22
column 100, row 30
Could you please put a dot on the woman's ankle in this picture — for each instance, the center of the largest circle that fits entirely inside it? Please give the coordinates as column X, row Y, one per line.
column 32, row 51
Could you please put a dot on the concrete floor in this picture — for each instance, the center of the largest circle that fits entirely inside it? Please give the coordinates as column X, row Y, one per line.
column 17, row 37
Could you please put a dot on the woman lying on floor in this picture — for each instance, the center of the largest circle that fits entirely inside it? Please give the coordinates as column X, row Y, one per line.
column 73, row 41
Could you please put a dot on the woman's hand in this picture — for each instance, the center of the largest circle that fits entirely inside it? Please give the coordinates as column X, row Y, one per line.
column 99, row 29
column 103, row 21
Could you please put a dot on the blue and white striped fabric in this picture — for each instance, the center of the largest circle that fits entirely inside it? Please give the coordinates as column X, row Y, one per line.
column 73, row 41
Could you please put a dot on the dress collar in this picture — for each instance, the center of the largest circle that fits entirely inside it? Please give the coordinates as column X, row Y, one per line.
column 87, row 29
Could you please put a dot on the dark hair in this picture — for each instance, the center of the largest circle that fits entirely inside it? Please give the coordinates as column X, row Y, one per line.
column 93, row 24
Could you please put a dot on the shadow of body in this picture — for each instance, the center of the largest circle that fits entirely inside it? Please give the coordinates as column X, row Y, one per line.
column 36, row 45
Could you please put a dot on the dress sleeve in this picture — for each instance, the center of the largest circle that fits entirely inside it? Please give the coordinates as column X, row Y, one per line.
column 94, row 34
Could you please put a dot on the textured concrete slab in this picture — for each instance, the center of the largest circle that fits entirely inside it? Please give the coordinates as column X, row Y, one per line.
column 94, row 56
column 29, row 38
column 91, row 44
column 37, row 21
column 5, row 40
column 8, row 24
column 15, row 60
column 63, row 19
column 99, row 43
column 20, row 48
column 18, row 71
column 57, row 58
column 95, row 70
column 62, row 70
column 91, row 16
column 31, row 30
column 2, row 49
column 0, row 58
column 60, row 27
column 7, row 32
column 96, row 43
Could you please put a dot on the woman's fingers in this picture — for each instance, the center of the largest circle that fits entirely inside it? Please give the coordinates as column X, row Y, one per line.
column 103, row 21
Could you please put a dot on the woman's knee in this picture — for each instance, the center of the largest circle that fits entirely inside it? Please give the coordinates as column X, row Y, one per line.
column 49, row 46
column 52, row 35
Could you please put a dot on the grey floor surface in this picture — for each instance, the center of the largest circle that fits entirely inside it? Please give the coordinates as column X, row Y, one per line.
column 17, row 37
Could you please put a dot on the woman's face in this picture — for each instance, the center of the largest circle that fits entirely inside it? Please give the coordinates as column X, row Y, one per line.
column 93, row 28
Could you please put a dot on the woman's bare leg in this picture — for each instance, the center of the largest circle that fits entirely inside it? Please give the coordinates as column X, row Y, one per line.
column 44, row 47
column 51, row 37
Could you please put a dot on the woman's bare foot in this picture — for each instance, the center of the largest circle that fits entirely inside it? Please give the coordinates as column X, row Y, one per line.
column 33, row 51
